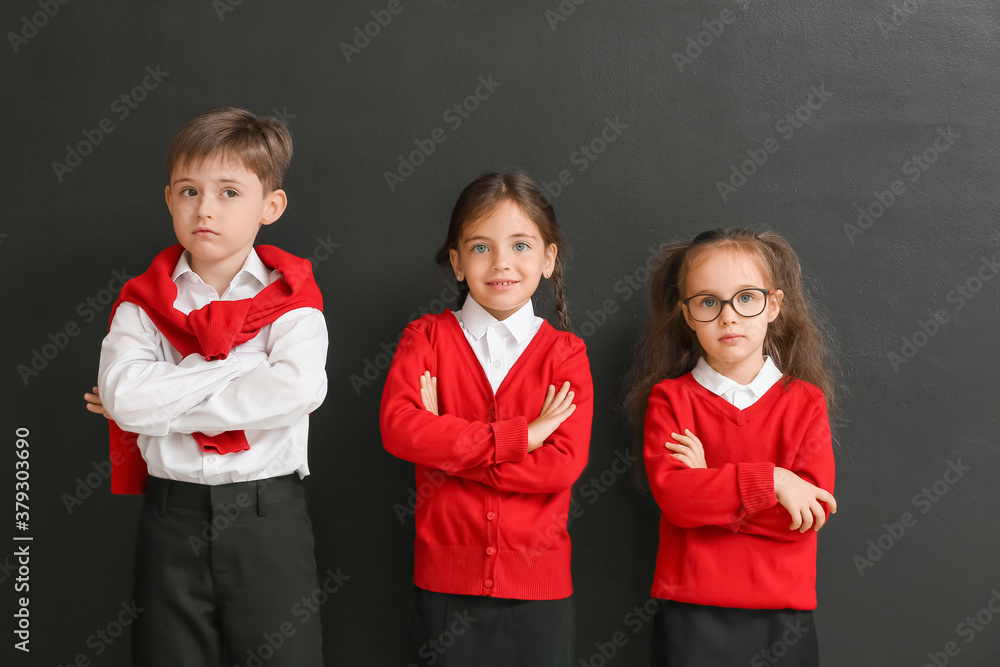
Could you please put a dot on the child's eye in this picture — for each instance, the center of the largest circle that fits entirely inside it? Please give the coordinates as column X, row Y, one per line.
column 188, row 192
column 479, row 248
column 521, row 246
column 709, row 302
column 746, row 297
column 230, row 193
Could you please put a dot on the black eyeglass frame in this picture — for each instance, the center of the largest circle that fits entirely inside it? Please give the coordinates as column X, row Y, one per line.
column 722, row 305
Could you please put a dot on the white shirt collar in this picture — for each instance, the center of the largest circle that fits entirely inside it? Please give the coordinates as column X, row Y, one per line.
column 719, row 384
column 476, row 320
column 253, row 266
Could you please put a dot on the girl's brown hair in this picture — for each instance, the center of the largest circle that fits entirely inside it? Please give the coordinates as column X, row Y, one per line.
column 669, row 348
column 482, row 197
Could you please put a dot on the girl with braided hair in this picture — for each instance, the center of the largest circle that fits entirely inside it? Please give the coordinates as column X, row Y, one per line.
column 494, row 407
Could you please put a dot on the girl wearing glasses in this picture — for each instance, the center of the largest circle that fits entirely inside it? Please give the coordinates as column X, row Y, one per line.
column 732, row 384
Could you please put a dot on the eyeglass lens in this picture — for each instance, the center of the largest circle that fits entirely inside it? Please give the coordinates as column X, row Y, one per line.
column 706, row 307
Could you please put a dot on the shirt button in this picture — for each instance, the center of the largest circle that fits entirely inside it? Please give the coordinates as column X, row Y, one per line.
column 496, row 364
column 489, row 583
column 210, row 459
column 490, row 516
column 490, row 551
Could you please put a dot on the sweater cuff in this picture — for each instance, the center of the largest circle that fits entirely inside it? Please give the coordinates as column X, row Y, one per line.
column 223, row 443
column 511, row 437
column 756, row 486
column 475, row 473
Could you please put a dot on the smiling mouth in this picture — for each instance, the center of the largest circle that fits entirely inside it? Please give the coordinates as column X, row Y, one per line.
column 502, row 283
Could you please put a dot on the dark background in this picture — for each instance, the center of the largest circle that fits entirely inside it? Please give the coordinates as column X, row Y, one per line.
column 688, row 125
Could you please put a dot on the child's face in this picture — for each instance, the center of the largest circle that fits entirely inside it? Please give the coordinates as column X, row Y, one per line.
column 218, row 206
column 733, row 343
column 502, row 258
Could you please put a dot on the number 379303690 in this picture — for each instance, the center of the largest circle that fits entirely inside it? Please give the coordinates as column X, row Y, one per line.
column 21, row 478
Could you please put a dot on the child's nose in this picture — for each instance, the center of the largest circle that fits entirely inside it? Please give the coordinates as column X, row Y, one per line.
column 204, row 207
column 732, row 315
column 501, row 260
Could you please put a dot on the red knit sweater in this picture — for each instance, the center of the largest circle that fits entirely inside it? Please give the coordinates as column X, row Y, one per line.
column 724, row 539
column 212, row 331
column 490, row 517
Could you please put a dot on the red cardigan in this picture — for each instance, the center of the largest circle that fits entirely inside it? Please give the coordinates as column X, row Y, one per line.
column 724, row 539
column 494, row 521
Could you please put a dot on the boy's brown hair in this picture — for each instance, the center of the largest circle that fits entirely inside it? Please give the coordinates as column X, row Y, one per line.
column 262, row 144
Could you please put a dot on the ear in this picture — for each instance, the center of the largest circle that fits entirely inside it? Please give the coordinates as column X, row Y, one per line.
column 774, row 305
column 456, row 264
column 687, row 315
column 166, row 195
column 274, row 205
column 551, row 252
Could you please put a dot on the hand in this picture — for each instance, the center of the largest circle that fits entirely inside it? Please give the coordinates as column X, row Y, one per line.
column 688, row 449
column 95, row 405
column 802, row 500
column 429, row 392
column 556, row 409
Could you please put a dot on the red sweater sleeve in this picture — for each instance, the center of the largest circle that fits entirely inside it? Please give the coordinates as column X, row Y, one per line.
column 557, row 464
column 128, row 468
column 701, row 496
column 447, row 442
column 814, row 463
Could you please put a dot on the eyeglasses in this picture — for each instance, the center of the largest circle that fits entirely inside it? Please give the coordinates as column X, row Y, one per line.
column 749, row 302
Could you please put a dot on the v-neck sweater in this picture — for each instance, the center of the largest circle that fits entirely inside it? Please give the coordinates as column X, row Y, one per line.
column 490, row 516
column 724, row 538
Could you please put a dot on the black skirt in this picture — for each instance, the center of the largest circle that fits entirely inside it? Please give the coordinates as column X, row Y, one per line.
column 693, row 635
column 448, row 630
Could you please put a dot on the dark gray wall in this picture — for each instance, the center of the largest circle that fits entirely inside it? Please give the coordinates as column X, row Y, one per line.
column 884, row 95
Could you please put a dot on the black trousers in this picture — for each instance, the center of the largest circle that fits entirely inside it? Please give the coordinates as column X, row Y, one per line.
column 694, row 635
column 225, row 576
column 447, row 630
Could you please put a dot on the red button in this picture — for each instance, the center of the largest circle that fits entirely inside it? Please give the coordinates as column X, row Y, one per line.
column 491, row 516
column 489, row 583
column 490, row 551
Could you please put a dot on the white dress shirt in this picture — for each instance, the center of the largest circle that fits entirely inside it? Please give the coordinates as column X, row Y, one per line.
column 740, row 395
column 266, row 387
column 497, row 344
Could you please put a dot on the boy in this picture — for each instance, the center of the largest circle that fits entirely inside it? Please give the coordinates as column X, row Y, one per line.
column 215, row 357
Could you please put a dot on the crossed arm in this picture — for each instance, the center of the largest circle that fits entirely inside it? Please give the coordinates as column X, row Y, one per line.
column 556, row 408
column 558, row 439
column 543, row 452
column 755, row 497
column 267, row 384
column 801, row 499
